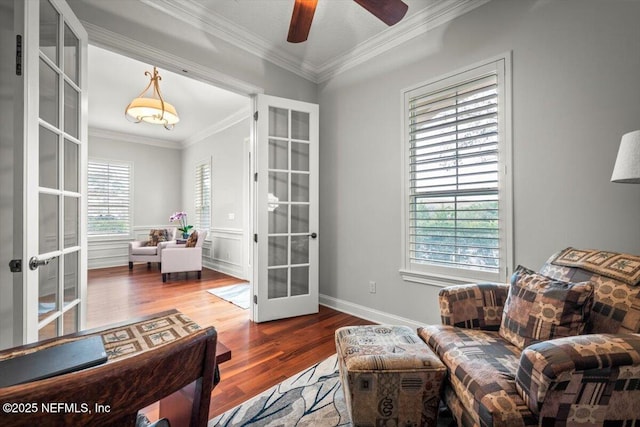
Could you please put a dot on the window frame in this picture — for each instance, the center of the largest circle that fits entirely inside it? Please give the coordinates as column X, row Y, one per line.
column 113, row 236
column 444, row 276
column 197, row 222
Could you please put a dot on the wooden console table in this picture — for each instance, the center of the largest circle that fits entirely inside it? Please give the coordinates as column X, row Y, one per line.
column 150, row 358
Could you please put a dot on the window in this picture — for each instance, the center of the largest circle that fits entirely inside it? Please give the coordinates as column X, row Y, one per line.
column 108, row 198
column 457, row 199
column 203, row 196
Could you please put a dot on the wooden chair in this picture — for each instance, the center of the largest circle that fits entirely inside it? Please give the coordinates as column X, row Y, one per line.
column 115, row 391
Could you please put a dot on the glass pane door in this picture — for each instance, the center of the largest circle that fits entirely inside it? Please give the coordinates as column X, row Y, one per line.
column 287, row 206
column 59, row 196
column 54, row 152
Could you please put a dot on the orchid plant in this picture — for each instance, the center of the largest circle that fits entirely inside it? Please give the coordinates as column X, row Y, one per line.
column 182, row 217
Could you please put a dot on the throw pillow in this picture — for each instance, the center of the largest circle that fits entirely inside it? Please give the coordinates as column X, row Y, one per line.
column 192, row 240
column 539, row 308
column 157, row 236
column 619, row 266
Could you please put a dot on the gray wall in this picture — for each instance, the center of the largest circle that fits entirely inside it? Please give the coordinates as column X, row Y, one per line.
column 157, row 185
column 575, row 92
column 227, row 151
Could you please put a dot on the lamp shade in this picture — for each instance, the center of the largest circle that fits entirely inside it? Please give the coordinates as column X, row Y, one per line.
column 627, row 167
column 152, row 110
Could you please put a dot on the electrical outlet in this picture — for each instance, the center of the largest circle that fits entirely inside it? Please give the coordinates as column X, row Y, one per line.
column 372, row 287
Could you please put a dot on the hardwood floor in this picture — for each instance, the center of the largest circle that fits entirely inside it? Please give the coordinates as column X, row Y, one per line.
column 262, row 354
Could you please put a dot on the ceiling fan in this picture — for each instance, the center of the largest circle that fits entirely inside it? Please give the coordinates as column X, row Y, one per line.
column 388, row 11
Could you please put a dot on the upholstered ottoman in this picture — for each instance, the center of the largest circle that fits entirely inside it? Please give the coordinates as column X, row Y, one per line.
column 389, row 375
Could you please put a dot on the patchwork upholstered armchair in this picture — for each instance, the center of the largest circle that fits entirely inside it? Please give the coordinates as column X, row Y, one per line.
column 565, row 352
column 149, row 250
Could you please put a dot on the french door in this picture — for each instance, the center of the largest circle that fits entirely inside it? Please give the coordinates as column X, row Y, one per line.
column 285, row 278
column 53, row 176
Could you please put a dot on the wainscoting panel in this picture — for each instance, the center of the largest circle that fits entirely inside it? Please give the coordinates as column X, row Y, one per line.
column 113, row 252
column 225, row 252
column 108, row 253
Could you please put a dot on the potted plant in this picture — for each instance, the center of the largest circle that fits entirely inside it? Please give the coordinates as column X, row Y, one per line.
column 184, row 228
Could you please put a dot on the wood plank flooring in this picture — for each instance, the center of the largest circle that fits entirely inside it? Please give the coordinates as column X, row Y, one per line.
column 262, row 354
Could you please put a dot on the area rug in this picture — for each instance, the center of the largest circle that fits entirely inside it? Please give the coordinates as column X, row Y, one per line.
column 238, row 294
column 313, row 397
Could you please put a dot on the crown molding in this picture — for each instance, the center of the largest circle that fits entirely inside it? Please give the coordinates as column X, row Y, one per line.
column 218, row 127
column 194, row 14
column 436, row 13
column 123, row 136
column 123, row 45
column 429, row 18
column 223, row 124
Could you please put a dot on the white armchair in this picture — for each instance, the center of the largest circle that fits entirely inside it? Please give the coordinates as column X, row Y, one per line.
column 178, row 258
column 149, row 250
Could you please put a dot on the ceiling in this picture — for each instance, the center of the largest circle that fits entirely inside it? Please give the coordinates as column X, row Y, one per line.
column 114, row 80
column 338, row 25
column 343, row 34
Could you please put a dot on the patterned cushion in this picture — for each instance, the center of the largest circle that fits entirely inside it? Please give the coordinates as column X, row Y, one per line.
column 481, row 380
column 623, row 267
column 539, row 308
column 474, row 306
column 616, row 306
column 157, row 236
column 192, row 240
column 384, row 348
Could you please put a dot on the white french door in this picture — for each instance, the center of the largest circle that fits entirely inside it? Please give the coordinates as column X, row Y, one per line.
column 54, row 135
column 285, row 273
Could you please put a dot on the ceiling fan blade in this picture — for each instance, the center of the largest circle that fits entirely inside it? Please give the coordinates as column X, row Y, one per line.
column 301, row 18
column 388, row 11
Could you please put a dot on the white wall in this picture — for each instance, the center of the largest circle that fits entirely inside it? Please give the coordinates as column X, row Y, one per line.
column 575, row 92
column 157, row 185
column 227, row 151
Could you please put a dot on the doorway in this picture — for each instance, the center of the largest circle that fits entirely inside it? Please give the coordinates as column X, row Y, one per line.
column 200, row 167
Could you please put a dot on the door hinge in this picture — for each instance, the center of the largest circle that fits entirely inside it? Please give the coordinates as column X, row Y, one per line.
column 255, row 238
column 18, row 55
column 255, row 177
column 255, row 116
column 255, row 299
column 15, row 265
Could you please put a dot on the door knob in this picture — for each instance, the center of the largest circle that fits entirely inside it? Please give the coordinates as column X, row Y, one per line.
column 313, row 235
column 34, row 262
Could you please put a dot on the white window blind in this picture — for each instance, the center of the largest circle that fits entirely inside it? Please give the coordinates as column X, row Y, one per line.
column 203, row 196
column 108, row 198
column 456, row 219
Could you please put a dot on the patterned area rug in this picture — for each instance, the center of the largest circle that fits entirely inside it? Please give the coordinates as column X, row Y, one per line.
column 238, row 294
column 313, row 398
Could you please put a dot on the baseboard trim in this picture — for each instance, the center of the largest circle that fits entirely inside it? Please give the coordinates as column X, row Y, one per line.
column 107, row 262
column 225, row 267
column 367, row 313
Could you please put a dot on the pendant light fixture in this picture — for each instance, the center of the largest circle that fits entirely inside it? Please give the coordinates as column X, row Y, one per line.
column 152, row 109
